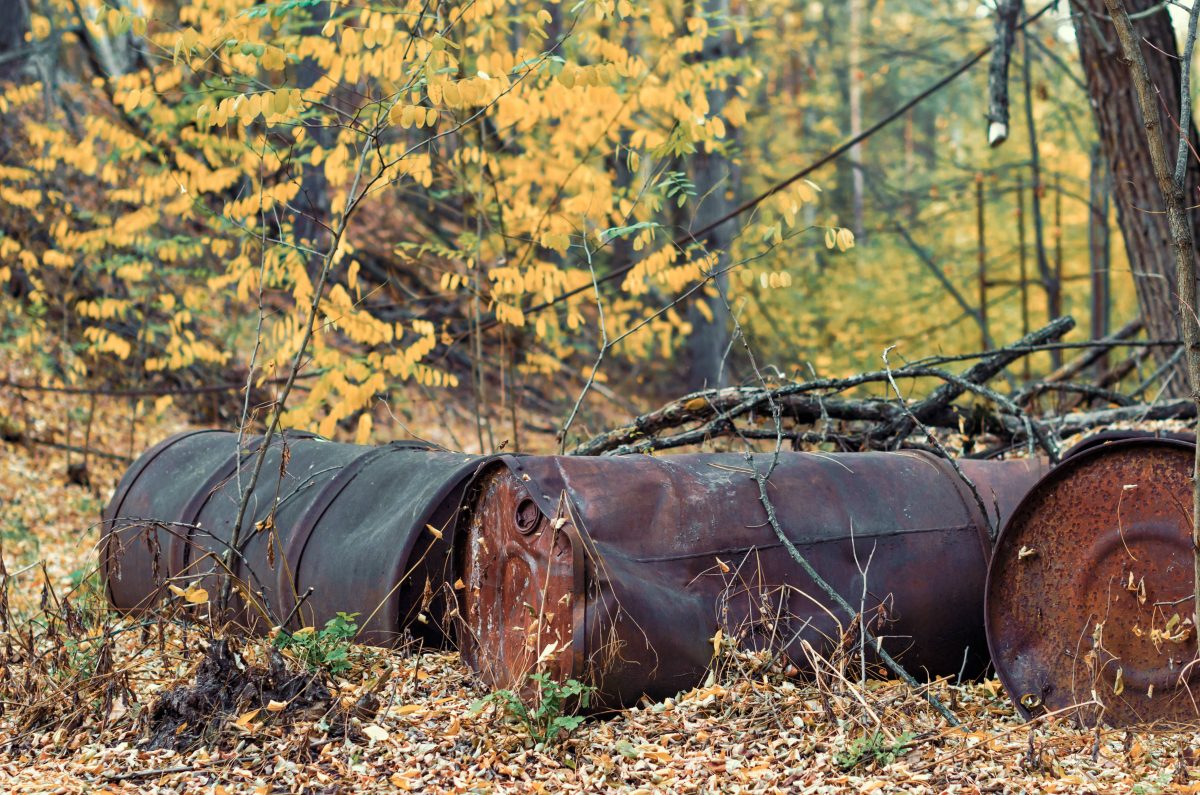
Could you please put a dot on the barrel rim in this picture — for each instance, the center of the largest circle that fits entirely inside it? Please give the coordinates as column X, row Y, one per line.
column 1050, row 479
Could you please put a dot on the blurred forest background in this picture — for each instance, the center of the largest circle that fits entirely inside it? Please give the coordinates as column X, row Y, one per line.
column 446, row 218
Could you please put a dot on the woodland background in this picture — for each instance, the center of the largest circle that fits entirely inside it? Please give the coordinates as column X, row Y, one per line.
column 492, row 203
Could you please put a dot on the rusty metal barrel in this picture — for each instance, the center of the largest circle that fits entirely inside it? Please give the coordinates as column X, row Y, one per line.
column 368, row 529
column 621, row 571
column 1090, row 591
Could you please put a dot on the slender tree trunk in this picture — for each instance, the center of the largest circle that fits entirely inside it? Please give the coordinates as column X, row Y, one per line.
column 716, row 179
column 1024, row 268
column 1049, row 284
column 910, row 151
column 13, row 25
column 855, row 80
column 313, row 199
column 1172, row 182
column 1123, row 140
column 1056, row 308
column 1099, row 253
column 981, row 253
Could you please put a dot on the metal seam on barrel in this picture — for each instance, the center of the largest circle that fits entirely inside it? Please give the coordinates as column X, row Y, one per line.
column 287, row 576
column 1108, row 437
column 179, row 542
column 108, row 525
column 971, row 496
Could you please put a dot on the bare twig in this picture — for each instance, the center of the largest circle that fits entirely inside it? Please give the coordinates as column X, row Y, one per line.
column 327, row 262
column 603, row 349
column 993, row 526
column 837, row 598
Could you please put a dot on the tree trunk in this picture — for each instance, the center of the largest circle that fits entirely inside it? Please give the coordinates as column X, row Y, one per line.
column 1098, row 253
column 12, row 38
column 856, row 90
column 1049, row 283
column 1122, row 134
column 716, row 179
column 312, row 213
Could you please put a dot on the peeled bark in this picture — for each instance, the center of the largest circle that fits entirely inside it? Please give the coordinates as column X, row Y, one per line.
column 1122, row 130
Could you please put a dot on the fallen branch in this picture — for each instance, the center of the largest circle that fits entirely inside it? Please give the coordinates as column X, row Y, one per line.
column 1097, row 352
column 894, row 666
column 982, row 372
column 809, row 401
column 70, row 448
column 1068, row 424
column 1031, row 391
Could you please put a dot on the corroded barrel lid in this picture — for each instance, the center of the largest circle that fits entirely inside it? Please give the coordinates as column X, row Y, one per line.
column 1089, row 595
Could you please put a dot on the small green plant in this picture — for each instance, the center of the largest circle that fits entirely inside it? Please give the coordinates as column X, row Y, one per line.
column 1153, row 786
column 872, row 747
column 326, row 649
column 546, row 719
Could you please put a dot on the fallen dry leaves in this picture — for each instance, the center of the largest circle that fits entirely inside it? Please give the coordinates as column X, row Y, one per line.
column 746, row 730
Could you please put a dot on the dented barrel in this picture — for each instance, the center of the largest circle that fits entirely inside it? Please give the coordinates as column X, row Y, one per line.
column 329, row 527
column 620, row 571
column 1090, row 592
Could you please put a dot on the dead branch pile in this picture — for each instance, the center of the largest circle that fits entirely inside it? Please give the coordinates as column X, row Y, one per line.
column 818, row 411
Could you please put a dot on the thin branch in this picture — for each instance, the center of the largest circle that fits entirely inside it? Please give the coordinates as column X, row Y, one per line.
column 1185, row 95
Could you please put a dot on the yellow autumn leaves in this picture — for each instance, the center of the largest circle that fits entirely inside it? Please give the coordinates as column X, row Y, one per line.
column 406, row 116
column 843, row 239
column 497, row 160
column 272, row 106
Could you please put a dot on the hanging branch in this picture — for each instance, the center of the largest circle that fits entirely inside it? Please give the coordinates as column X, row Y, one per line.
column 1007, row 12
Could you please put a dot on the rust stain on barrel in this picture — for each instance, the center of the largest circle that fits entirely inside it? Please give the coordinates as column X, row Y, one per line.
column 1090, row 589
column 634, row 563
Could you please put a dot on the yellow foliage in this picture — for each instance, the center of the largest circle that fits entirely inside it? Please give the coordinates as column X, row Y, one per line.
column 202, row 168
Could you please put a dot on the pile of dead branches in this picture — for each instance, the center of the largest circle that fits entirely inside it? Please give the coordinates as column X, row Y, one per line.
column 818, row 412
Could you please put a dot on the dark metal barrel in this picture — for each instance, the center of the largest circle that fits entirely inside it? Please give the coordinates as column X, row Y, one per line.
column 368, row 529
column 1089, row 596
column 620, row 571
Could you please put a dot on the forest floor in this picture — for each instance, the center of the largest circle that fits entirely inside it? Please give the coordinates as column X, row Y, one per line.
column 78, row 708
